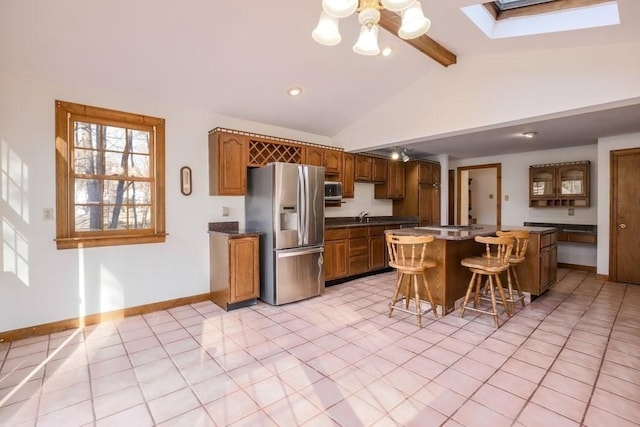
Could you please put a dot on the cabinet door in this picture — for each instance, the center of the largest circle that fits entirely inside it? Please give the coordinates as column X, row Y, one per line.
column 572, row 181
column 336, row 259
column 314, row 156
column 542, row 182
column 425, row 172
column 378, row 170
column 553, row 264
column 377, row 260
column 348, row 166
column 332, row 162
column 396, row 180
column 244, row 269
column 363, row 168
column 228, row 164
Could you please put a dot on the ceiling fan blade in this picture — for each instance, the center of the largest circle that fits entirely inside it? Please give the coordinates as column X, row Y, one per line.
column 391, row 22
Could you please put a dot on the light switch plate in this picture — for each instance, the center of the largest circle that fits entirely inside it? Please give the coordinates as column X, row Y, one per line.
column 571, row 212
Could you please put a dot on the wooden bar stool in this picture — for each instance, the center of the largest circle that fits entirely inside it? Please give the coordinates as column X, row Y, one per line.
column 491, row 264
column 521, row 241
column 407, row 256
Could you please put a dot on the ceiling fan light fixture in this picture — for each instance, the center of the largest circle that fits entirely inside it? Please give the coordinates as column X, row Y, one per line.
column 414, row 23
column 327, row 32
column 339, row 8
column 367, row 43
column 397, row 5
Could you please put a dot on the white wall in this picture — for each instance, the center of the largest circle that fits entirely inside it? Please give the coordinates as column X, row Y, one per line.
column 605, row 146
column 483, row 195
column 487, row 91
column 363, row 200
column 40, row 284
column 515, row 185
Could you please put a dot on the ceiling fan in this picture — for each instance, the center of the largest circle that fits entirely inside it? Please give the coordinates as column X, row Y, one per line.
column 403, row 18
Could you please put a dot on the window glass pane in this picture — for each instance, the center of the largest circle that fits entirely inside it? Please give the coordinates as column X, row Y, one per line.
column 88, row 162
column 139, row 166
column 127, row 217
column 114, row 163
column 126, row 192
column 88, row 218
column 85, row 135
column 140, row 141
column 87, row 191
column 115, row 138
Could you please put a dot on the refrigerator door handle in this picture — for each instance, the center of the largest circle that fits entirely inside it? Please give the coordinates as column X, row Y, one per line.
column 300, row 210
column 300, row 252
column 305, row 201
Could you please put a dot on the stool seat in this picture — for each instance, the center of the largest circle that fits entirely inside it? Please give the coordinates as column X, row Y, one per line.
column 494, row 261
column 407, row 254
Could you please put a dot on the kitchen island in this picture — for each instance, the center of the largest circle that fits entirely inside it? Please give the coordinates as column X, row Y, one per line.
column 449, row 279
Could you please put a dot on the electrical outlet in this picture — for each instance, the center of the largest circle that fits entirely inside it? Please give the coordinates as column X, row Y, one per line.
column 225, row 211
column 506, row 197
column 47, row 214
column 571, row 212
column 491, row 196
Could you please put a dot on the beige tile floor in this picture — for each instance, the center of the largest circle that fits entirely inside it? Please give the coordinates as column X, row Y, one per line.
column 571, row 357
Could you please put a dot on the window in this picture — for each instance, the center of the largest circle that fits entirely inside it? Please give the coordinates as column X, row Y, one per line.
column 109, row 177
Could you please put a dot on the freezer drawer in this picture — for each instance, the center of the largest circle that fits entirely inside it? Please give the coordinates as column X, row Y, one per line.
column 299, row 274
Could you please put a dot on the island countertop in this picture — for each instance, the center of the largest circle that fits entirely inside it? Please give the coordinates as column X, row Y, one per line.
column 466, row 232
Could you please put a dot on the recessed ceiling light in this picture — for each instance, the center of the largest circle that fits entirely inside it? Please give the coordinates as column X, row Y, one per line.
column 294, row 91
column 387, row 50
column 529, row 134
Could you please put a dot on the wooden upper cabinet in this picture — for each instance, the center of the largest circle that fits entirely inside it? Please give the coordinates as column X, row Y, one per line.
column 227, row 164
column 363, row 168
column 559, row 185
column 314, row 156
column 379, row 170
column 348, row 174
column 393, row 187
column 333, row 162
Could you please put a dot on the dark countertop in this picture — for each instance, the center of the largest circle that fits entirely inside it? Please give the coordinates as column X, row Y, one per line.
column 350, row 221
column 231, row 229
column 567, row 228
column 463, row 233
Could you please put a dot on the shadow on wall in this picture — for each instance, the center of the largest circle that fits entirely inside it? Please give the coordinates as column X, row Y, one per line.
column 14, row 182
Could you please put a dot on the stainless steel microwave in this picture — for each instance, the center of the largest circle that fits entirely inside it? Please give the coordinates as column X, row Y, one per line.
column 332, row 190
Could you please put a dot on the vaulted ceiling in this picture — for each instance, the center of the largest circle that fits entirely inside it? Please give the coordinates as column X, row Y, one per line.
column 238, row 59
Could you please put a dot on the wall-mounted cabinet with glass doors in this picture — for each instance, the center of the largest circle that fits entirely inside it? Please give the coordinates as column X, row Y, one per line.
column 559, row 185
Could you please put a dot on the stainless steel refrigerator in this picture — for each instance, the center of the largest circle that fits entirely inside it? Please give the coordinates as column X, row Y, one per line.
column 285, row 201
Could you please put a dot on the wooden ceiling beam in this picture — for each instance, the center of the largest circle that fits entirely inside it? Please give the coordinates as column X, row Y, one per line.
column 391, row 21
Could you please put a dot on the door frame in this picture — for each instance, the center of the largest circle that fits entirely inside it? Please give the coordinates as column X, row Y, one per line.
column 451, row 209
column 613, row 207
column 498, row 168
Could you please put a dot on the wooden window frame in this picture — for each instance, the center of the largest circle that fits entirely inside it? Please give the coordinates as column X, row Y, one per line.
column 538, row 9
column 66, row 236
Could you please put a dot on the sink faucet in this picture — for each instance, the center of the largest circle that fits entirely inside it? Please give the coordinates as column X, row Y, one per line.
column 362, row 216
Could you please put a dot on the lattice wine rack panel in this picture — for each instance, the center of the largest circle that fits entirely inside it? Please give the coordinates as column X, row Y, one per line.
column 262, row 152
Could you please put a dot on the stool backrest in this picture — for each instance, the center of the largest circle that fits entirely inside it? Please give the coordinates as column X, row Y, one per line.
column 521, row 241
column 407, row 251
column 498, row 249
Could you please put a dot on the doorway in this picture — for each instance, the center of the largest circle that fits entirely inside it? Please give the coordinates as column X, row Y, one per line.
column 624, row 257
column 490, row 199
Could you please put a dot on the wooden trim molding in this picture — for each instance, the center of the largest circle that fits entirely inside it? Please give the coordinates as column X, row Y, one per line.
column 63, row 325
column 272, row 138
column 604, row 277
column 588, row 268
column 538, row 9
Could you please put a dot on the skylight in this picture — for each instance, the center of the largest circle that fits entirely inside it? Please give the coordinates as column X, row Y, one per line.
column 512, row 4
column 596, row 15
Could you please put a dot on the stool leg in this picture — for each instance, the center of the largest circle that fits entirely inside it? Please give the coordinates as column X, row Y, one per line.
column 510, row 289
column 426, row 285
column 520, row 295
column 417, row 295
column 493, row 301
column 468, row 294
column 504, row 300
column 395, row 294
column 478, row 291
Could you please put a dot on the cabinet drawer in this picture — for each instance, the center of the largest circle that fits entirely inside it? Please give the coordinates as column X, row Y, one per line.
column 359, row 246
column 336, row 234
column 358, row 232
column 577, row 237
column 376, row 230
column 547, row 239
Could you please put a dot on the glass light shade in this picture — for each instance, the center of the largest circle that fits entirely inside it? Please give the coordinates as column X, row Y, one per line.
column 327, row 32
column 339, row 8
column 367, row 43
column 414, row 24
column 397, row 5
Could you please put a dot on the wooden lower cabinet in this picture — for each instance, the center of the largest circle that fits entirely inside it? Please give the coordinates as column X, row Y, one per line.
column 358, row 250
column 377, row 248
column 540, row 269
column 336, row 253
column 234, row 270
